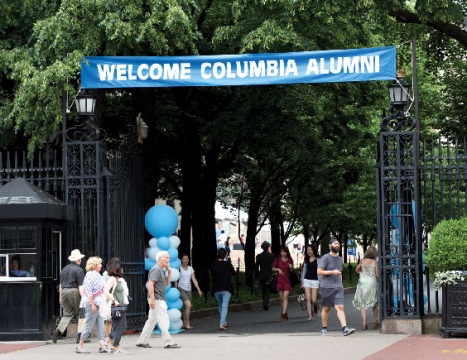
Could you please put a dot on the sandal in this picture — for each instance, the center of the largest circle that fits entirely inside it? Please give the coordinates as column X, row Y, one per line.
column 171, row 346
column 105, row 346
column 147, row 346
column 81, row 351
column 188, row 327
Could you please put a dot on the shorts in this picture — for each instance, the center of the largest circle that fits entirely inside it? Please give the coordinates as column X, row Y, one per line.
column 314, row 284
column 185, row 295
column 332, row 296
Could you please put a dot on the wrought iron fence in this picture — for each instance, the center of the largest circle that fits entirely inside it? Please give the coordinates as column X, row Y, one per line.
column 436, row 179
column 443, row 186
column 104, row 191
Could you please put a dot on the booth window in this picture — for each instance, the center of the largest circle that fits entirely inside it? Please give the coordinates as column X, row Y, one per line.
column 17, row 262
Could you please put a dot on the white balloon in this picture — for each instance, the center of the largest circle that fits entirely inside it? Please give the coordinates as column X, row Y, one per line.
column 176, row 325
column 175, row 275
column 174, row 241
column 152, row 253
column 153, row 242
column 174, row 314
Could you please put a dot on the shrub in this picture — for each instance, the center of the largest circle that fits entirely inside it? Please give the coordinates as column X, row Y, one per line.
column 447, row 248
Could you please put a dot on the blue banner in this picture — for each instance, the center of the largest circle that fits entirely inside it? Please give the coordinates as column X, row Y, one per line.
column 238, row 70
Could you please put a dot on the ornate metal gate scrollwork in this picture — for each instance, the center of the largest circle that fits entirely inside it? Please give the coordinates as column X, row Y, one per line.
column 104, row 188
column 398, row 234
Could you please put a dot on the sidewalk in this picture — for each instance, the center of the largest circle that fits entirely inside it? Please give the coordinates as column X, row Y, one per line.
column 258, row 334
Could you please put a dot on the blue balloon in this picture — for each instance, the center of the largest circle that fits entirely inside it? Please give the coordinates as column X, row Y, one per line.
column 163, row 243
column 172, row 294
column 168, row 287
column 173, row 253
column 178, row 304
column 149, row 263
column 161, row 220
column 175, row 264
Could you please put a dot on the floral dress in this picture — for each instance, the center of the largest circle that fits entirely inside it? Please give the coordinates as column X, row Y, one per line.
column 283, row 282
column 366, row 295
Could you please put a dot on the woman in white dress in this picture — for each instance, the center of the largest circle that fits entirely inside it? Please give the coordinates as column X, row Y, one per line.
column 187, row 276
column 366, row 295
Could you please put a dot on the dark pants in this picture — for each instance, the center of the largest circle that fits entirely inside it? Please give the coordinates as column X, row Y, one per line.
column 118, row 327
column 265, row 292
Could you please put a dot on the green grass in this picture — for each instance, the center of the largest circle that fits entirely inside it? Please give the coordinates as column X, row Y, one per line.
column 244, row 294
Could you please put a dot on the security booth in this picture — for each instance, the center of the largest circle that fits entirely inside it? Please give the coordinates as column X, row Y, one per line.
column 31, row 226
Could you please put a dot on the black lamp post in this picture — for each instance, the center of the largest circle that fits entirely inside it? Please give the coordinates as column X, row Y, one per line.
column 398, row 120
column 399, row 93
column 88, row 130
column 85, row 103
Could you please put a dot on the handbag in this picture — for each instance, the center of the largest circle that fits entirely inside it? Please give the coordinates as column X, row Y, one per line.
column 293, row 278
column 105, row 308
column 272, row 284
column 302, row 299
column 118, row 311
column 82, row 319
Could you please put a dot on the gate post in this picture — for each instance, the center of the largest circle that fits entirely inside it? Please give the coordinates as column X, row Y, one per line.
column 84, row 169
column 399, row 235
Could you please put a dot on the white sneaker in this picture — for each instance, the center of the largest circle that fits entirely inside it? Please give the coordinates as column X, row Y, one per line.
column 324, row 332
column 347, row 331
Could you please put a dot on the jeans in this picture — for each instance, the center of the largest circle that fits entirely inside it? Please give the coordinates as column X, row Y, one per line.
column 91, row 319
column 223, row 298
column 118, row 327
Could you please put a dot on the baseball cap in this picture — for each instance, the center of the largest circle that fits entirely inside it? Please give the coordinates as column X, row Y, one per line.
column 332, row 240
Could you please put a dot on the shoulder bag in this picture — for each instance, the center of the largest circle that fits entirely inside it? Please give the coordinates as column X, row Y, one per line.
column 293, row 278
column 105, row 308
column 118, row 311
column 272, row 282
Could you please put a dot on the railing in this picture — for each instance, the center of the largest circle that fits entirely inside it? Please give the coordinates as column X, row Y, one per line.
column 43, row 169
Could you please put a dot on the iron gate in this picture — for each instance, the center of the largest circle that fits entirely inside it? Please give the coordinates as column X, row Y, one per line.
column 104, row 189
column 418, row 185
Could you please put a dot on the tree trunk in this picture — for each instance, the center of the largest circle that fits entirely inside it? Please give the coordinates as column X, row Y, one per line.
column 251, row 238
column 275, row 232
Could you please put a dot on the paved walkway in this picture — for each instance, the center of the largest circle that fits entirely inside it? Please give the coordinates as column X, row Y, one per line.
column 258, row 334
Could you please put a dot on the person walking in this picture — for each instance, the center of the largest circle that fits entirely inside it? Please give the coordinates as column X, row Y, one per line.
column 70, row 291
column 222, row 271
column 366, row 295
column 116, row 290
column 187, row 276
column 310, row 279
column 283, row 265
column 263, row 271
column 93, row 298
column 157, row 283
column 332, row 290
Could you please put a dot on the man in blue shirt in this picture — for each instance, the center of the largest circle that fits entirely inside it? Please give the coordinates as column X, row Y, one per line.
column 15, row 270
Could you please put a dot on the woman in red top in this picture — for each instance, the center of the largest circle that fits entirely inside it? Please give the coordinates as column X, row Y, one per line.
column 283, row 265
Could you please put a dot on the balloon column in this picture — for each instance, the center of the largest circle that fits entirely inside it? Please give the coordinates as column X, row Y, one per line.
column 161, row 221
